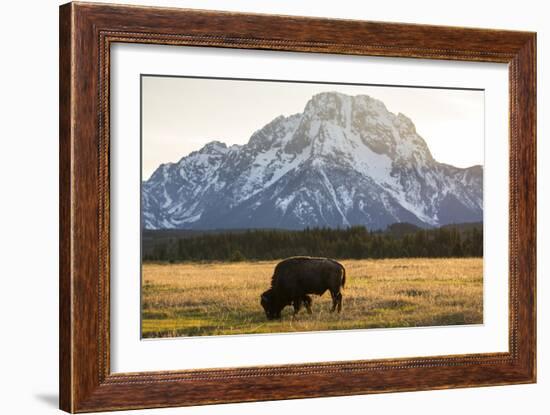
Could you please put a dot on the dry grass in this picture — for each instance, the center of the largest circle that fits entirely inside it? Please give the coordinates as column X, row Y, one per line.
column 224, row 298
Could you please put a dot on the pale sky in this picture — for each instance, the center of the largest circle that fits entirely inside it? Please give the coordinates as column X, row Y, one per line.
column 180, row 115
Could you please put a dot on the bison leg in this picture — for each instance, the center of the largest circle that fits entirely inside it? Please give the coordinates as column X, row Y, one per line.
column 336, row 301
column 307, row 302
column 297, row 303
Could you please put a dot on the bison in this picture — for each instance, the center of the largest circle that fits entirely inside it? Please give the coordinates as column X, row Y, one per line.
column 294, row 278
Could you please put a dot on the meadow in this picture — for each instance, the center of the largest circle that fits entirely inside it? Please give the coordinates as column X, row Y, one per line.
column 221, row 298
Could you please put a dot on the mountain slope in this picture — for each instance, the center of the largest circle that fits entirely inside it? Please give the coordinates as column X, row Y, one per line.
column 345, row 160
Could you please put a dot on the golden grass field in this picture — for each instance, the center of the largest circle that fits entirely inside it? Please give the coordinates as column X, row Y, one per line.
column 196, row 299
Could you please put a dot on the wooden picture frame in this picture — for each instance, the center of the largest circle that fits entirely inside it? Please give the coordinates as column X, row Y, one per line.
column 86, row 33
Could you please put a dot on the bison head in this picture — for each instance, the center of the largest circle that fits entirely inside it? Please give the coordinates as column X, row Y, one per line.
column 270, row 304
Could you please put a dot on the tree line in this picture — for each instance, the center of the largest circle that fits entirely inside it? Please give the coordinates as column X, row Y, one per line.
column 354, row 243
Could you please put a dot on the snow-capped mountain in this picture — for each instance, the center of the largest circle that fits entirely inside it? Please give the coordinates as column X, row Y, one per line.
column 345, row 160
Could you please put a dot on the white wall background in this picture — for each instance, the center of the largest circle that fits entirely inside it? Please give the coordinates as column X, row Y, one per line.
column 29, row 203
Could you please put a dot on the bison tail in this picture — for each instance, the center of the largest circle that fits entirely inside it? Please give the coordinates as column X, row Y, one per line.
column 343, row 276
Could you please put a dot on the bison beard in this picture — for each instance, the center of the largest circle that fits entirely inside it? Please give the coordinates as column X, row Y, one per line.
column 295, row 278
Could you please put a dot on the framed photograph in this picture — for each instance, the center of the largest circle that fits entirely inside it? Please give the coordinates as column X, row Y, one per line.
column 259, row 207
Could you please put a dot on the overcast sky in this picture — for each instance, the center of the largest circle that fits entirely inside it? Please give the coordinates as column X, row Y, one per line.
column 180, row 115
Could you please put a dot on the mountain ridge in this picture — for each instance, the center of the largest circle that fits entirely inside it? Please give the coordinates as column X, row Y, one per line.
column 345, row 160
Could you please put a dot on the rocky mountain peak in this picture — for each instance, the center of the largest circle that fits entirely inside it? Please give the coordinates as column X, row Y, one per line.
column 345, row 160
column 214, row 148
column 341, row 108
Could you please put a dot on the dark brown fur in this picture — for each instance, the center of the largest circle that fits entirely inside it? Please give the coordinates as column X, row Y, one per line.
column 294, row 278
